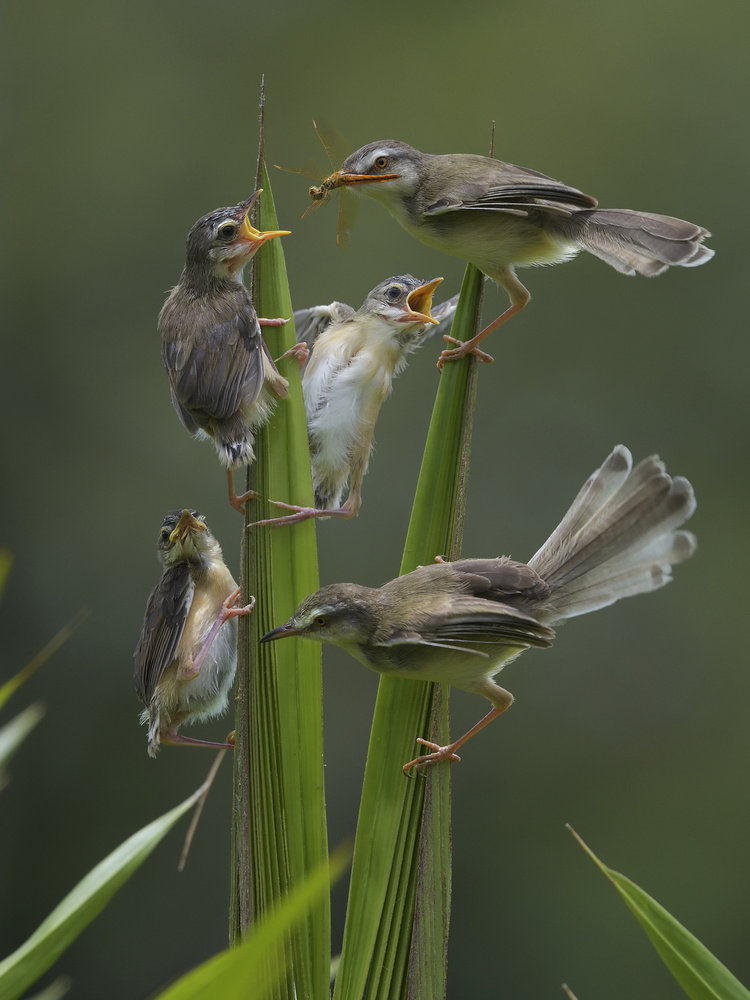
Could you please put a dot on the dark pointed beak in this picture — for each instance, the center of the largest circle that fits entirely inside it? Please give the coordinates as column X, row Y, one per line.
column 280, row 633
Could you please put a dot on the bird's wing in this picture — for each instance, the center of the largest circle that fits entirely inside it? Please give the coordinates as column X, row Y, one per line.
column 520, row 191
column 214, row 374
column 310, row 323
column 494, row 579
column 163, row 624
column 473, row 620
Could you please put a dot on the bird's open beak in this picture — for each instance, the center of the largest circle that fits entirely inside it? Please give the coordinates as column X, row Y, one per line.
column 248, row 232
column 187, row 525
column 419, row 303
column 280, row 633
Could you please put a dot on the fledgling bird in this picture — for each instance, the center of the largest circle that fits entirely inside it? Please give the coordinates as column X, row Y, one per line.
column 221, row 375
column 500, row 216
column 186, row 657
column 459, row 623
column 348, row 377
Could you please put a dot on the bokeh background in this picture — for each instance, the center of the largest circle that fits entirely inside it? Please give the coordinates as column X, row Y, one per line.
column 125, row 122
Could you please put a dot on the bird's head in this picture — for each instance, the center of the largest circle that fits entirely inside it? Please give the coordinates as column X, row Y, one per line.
column 403, row 299
column 386, row 170
column 344, row 614
column 224, row 241
column 185, row 537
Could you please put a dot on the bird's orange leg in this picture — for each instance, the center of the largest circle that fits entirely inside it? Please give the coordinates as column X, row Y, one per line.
column 238, row 502
column 519, row 297
column 503, row 701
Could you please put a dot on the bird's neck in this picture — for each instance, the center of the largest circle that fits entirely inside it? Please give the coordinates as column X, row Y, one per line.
column 206, row 281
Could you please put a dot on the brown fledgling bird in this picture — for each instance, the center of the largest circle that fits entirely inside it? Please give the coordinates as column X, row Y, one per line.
column 223, row 380
column 500, row 216
column 186, row 657
column 460, row 623
column 349, row 375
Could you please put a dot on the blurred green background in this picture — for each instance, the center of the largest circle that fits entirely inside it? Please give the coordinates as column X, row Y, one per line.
column 125, row 122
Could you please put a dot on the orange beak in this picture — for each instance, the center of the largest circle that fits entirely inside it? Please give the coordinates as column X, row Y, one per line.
column 419, row 303
column 248, row 232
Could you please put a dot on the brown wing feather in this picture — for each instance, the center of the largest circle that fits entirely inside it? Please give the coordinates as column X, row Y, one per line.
column 164, row 622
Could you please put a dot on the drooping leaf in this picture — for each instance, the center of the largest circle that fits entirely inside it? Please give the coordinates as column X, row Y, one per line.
column 701, row 975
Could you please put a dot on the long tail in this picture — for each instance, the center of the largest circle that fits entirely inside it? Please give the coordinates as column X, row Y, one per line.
column 619, row 537
column 638, row 241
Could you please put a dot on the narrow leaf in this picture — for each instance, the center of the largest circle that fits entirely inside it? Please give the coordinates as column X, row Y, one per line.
column 11, row 686
column 15, row 732
column 252, row 968
column 701, row 975
column 20, row 969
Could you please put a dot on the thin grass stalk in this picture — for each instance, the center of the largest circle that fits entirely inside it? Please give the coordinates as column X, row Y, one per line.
column 381, row 939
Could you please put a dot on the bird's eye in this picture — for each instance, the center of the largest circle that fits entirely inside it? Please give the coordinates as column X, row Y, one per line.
column 381, row 162
column 320, row 620
column 227, row 231
column 393, row 293
column 165, row 535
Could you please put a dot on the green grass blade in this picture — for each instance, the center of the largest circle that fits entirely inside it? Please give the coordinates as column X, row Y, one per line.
column 11, row 686
column 19, row 970
column 396, row 847
column 252, row 969
column 280, row 824
column 701, row 975
column 13, row 733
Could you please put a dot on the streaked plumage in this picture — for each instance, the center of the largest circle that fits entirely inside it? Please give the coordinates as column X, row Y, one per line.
column 186, row 657
column 500, row 216
column 222, row 379
column 459, row 623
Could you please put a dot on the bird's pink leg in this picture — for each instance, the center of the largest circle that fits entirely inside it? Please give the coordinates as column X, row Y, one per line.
column 187, row 673
column 172, row 739
column 272, row 322
column 301, row 514
column 300, row 351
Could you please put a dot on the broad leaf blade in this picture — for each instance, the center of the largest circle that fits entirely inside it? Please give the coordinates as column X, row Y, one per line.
column 382, row 941
column 280, row 826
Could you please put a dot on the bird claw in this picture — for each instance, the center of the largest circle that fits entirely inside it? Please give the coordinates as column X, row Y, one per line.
column 464, row 347
column 228, row 610
column 439, row 753
column 300, row 514
column 299, row 351
column 272, row 322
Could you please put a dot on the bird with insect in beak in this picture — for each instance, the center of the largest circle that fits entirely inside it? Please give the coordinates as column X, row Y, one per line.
column 223, row 381
column 500, row 216
column 186, row 657
column 461, row 622
column 348, row 377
